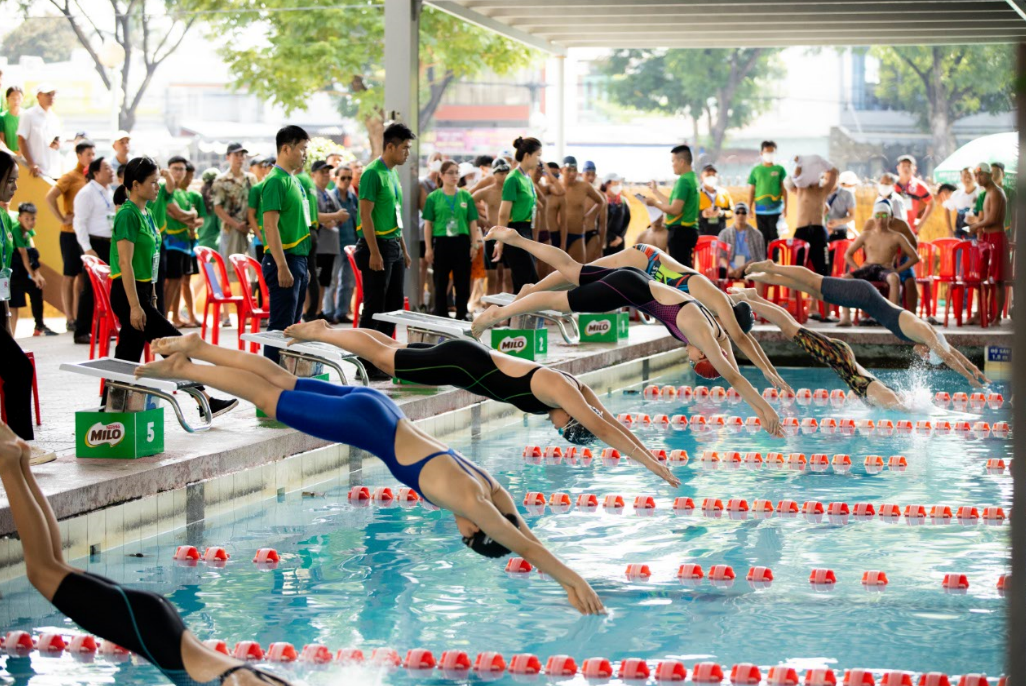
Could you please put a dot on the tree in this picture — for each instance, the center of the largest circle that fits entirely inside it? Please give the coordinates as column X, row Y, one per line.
column 943, row 83
column 724, row 86
column 47, row 37
column 141, row 34
column 341, row 48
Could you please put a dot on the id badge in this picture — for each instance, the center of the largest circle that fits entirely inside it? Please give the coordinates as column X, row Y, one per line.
column 110, row 222
column 5, row 284
column 399, row 215
column 739, row 261
column 306, row 212
column 155, row 266
column 452, row 227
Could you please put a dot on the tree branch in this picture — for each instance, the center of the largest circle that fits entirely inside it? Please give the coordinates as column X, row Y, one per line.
column 437, row 90
column 83, row 40
column 158, row 58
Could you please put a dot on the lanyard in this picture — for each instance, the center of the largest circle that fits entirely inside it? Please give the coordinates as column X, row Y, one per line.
column 3, row 239
column 100, row 190
column 452, row 205
column 530, row 183
column 392, row 175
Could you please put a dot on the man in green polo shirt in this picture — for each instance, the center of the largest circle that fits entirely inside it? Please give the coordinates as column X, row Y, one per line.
column 682, row 206
column 766, row 194
column 287, row 220
column 381, row 253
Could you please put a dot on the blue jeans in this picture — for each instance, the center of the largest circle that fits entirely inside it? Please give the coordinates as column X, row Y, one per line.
column 346, row 285
column 286, row 303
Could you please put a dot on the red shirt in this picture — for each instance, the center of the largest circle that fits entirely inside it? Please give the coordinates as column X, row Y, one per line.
column 916, row 196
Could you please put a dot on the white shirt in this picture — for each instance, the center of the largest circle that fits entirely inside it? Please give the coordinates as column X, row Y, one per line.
column 961, row 201
column 94, row 214
column 39, row 127
column 813, row 168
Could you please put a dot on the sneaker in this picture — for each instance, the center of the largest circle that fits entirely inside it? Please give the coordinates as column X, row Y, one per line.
column 344, row 319
column 83, row 339
column 69, row 325
column 45, row 331
column 220, row 406
column 41, row 456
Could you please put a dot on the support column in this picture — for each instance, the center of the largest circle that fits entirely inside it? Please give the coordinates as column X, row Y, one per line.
column 560, row 107
column 402, row 102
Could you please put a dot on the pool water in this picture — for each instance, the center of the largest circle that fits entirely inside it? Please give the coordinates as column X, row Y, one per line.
column 401, row 578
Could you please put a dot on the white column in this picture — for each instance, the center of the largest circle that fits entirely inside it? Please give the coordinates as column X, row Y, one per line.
column 402, row 70
column 559, row 110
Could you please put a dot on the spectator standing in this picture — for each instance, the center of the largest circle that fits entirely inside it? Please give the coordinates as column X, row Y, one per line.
column 26, row 279
column 916, row 196
column 961, row 202
column 348, row 201
column 998, row 173
column 287, row 224
column 595, row 214
column 489, row 201
column 357, row 166
column 329, row 215
column 39, row 133
column 989, row 227
column 815, row 179
column 312, row 299
column 618, row 217
column 259, row 168
column 428, row 184
column 714, row 204
column 681, row 209
column 67, row 188
column 210, row 234
column 178, row 243
column 121, row 146
column 766, row 192
column 93, row 222
column 454, row 239
column 381, row 253
column 518, row 209
column 840, row 206
column 10, row 118
column 746, row 244
column 231, row 202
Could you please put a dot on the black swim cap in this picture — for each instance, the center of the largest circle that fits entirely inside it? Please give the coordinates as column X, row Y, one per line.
column 577, row 433
column 482, row 544
column 743, row 315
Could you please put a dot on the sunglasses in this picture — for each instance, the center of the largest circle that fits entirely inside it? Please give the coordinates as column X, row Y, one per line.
column 345, row 178
column 741, row 212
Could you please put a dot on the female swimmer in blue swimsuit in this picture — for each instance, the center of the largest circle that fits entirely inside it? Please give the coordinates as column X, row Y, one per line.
column 600, row 289
column 486, row 515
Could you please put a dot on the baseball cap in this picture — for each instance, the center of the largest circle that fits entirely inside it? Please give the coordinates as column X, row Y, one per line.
column 499, row 165
column 708, row 168
column 883, row 207
column 738, row 207
column 570, row 161
column 984, row 167
column 848, row 178
column 483, row 544
column 611, row 177
column 589, row 166
column 319, row 165
column 45, row 87
column 907, row 158
column 235, row 147
column 269, row 161
column 120, row 134
column 466, row 168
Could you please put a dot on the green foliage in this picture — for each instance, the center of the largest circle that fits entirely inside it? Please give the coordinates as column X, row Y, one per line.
column 319, row 148
column 48, row 37
column 962, row 79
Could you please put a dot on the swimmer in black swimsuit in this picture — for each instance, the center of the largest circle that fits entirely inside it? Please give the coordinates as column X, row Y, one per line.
column 833, row 353
column 572, row 407
column 603, row 290
column 862, row 295
column 485, row 514
column 660, row 266
column 142, row 622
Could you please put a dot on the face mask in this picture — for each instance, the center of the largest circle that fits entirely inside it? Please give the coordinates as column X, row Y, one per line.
column 615, row 189
column 711, row 181
column 435, row 166
column 767, row 157
column 884, row 190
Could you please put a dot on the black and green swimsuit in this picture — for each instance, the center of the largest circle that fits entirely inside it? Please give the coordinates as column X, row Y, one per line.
column 468, row 365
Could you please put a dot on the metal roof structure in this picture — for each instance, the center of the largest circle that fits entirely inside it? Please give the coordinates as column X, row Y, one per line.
column 556, row 25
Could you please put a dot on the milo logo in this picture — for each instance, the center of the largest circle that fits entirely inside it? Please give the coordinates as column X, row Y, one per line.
column 100, row 434
column 514, row 344
column 597, row 328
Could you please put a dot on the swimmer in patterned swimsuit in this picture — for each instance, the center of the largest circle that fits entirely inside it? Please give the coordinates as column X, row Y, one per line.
column 828, row 351
column 660, row 266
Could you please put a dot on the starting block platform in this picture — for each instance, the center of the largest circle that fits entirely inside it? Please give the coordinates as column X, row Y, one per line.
column 564, row 321
column 428, row 328
column 308, row 353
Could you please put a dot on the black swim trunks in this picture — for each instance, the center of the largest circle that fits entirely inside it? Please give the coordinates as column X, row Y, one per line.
column 872, row 272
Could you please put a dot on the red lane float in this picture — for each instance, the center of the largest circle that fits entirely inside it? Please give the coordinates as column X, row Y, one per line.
column 524, row 663
column 633, row 668
column 782, row 676
column 955, row 582
column 820, row 677
column 858, row 677
column 895, row 678
column 745, row 673
column 349, row 656
column 874, row 578
column 383, row 495
column 644, row 502
column 187, row 554
column 561, row 665
column 215, row 644
column 534, row 498
column 385, row 657
column 359, row 494
column 248, row 650
column 707, row 673
column 418, row 658
column 518, row 565
column 822, row 577
column 454, row 660
column 489, row 663
column 315, row 653
column 683, row 504
column 638, row 571
column 670, row 670
column 596, row 668
column 267, row 557
column 281, row 652
column 588, row 500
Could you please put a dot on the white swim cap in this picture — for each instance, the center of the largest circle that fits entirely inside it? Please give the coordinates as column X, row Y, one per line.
column 883, row 207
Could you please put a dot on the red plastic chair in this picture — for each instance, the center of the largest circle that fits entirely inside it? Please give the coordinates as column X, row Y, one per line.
column 788, row 252
column 350, row 251
column 972, row 262
column 219, row 292
column 100, row 284
column 947, row 271
column 838, row 268
column 708, row 252
column 250, row 313
column 35, row 393
column 926, row 275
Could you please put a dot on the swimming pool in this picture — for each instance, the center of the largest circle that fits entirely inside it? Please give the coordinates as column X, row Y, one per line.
column 400, row 578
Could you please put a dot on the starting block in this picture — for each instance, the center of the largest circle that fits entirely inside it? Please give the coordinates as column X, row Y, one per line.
column 132, row 423
column 307, row 358
column 564, row 321
column 427, row 328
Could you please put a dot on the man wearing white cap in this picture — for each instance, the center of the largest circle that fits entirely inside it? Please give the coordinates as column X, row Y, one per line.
column 120, row 144
column 39, row 133
column 841, row 206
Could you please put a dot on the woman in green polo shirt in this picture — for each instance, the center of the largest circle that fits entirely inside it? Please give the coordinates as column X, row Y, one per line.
column 450, row 219
column 519, row 199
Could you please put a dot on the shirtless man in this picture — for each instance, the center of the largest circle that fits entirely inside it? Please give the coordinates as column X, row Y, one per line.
column 595, row 215
column 544, row 194
column 578, row 191
column 488, row 199
column 555, row 213
column 990, row 229
column 882, row 245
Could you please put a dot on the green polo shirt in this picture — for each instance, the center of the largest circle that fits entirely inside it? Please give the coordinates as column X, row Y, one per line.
column 6, row 240
column 769, row 188
column 22, row 238
column 311, row 195
column 9, row 124
column 381, row 186
column 685, row 189
column 176, row 236
column 137, row 226
column 158, row 208
column 518, row 188
column 284, row 194
column 450, row 215
column 254, row 204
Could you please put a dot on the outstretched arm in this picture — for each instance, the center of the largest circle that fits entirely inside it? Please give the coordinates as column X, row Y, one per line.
column 918, row 330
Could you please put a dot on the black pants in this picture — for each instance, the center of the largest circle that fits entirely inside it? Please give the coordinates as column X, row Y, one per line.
column 520, row 262
column 131, row 341
column 84, row 318
column 819, row 252
column 23, row 287
column 16, row 372
column 382, row 290
column 313, row 288
column 161, row 278
column 452, row 254
column 682, row 243
column 767, row 224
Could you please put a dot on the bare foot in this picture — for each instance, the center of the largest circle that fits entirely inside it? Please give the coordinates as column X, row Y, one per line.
column 759, row 277
column 762, row 266
column 187, row 345
column 172, row 367
column 485, row 320
column 307, row 331
column 501, row 234
column 742, row 293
